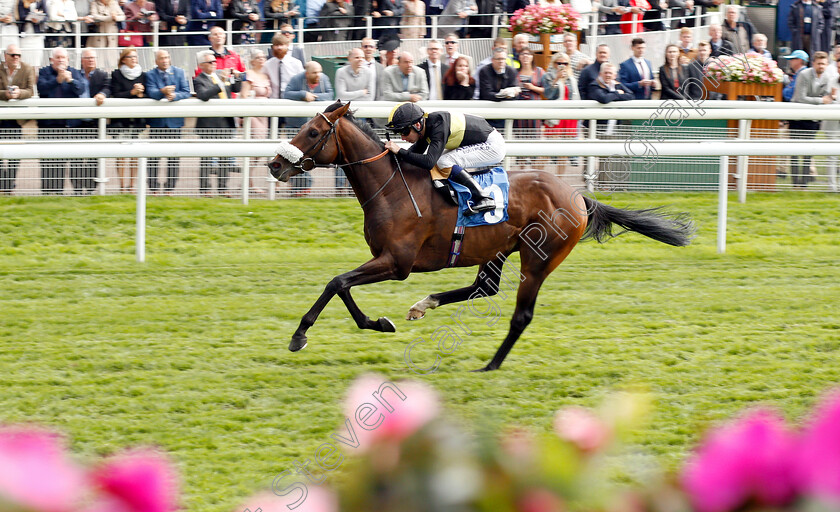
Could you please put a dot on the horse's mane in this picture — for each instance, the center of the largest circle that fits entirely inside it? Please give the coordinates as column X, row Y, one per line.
column 361, row 125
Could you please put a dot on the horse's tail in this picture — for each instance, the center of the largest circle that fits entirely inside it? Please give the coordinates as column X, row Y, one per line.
column 673, row 229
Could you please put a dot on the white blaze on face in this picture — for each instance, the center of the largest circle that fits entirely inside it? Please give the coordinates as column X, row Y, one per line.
column 290, row 152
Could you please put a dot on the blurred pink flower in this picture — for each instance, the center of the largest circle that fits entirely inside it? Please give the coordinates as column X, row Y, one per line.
column 35, row 472
column 819, row 454
column 582, row 428
column 539, row 500
column 749, row 458
column 420, row 406
column 318, row 499
column 137, row 482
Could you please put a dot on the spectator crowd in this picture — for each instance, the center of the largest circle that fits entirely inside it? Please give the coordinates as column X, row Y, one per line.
column 445, row 73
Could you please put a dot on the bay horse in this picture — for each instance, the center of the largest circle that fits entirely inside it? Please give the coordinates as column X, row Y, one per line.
column 403, row 240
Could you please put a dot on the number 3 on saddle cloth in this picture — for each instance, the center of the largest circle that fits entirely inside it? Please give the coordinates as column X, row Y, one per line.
column 495, row 183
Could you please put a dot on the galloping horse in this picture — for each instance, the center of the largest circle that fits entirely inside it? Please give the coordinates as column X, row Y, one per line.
column 402, row 241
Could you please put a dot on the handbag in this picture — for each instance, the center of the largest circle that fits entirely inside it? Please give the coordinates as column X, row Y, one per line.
column 127, row 38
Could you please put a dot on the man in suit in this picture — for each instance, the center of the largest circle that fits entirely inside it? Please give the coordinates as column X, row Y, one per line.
column 282, row 66
column 405, row 81
column 496, row 78
column 174, row 16
column 99, row 88
column 451, row 44
column 374, row 66
column 590, row 72
column 606, row 89
column 168, row 83
column 17, row 82
column 636, row 73
column 287, row 30
column 212, row 83
column 59, row 80
column 720, row 46
column 435, row 69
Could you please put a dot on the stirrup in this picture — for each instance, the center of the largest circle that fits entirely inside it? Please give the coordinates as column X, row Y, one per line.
column 477, row 208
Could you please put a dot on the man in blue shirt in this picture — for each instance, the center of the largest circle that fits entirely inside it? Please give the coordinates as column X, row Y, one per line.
column 167, row 83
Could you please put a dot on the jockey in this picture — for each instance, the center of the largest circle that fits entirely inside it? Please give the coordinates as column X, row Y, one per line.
column 446, row 143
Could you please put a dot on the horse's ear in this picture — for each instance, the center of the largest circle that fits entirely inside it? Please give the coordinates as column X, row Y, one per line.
column 339, row 112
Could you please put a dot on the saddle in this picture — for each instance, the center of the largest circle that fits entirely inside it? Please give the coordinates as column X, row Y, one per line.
column 448, row 191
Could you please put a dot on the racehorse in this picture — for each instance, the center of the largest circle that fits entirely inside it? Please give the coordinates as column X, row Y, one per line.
column 404, row 240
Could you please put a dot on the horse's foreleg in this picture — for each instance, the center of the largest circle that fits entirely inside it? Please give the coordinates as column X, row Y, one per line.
column 362, row 320
column 373, row 271
column 487, row 282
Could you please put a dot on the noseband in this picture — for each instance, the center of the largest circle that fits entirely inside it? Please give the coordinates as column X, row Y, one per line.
column 306, row 163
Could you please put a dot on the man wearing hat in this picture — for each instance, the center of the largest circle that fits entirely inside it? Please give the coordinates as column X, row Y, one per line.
column 797, row 61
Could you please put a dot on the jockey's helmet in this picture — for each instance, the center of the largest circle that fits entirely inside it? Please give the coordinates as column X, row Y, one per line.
column 404, row 116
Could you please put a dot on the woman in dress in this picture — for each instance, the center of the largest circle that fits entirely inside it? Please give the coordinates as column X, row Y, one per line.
column 127, row 82
column 458, row 83
column 413, row 20
column 529, row 79
column 560, row 84
column 257, row 85
column 105, row 14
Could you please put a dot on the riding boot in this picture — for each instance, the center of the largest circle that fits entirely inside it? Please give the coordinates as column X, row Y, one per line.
column 480, row 201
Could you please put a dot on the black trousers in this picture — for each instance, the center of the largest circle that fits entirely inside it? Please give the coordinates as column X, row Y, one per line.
column 9, row 130
column 221, row 166
column 54, row 171
column 800, row 170
column 173, row 168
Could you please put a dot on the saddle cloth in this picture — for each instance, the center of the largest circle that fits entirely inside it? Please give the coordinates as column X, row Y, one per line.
column 494, row 183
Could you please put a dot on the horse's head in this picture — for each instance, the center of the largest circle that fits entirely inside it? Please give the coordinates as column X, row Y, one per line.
column 315, row 144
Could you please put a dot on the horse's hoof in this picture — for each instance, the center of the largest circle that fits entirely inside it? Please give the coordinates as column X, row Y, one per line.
column 415, row 314
column 487, row 368
column 386, row 325
column 297, row 343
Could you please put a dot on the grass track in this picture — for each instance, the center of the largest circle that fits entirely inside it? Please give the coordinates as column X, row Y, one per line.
column 188, row 351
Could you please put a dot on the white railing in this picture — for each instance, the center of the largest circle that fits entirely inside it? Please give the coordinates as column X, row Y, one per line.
column 633, row 110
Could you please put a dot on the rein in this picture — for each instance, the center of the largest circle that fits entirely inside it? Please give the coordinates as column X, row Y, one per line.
column 319, row 145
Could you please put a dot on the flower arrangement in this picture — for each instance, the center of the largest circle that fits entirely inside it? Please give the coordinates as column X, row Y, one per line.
column 749, row 68
column 401, row 456
column 545, row 19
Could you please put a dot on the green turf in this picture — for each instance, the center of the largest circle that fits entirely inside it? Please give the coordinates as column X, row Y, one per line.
column 188, row 351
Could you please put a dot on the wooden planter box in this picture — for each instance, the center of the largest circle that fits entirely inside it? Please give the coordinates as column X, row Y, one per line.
column 761, row 176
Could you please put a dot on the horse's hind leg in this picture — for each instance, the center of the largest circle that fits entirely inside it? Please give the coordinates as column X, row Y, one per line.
column 526, row 299
column 487, row 282
column 362, row 320
column 535, row 269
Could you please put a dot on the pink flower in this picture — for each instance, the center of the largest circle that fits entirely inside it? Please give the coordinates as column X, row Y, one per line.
column 581, row 428
column 747, row 459
column 137, row 482
column 318, row 499
column 819, row 454
column 419, row 406
column 539, row 500
column 35, row 472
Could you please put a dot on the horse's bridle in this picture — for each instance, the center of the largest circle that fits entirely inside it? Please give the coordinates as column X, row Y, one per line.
column 307, row 163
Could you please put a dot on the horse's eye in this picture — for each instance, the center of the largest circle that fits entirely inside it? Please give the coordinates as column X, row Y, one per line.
column 313, row 133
